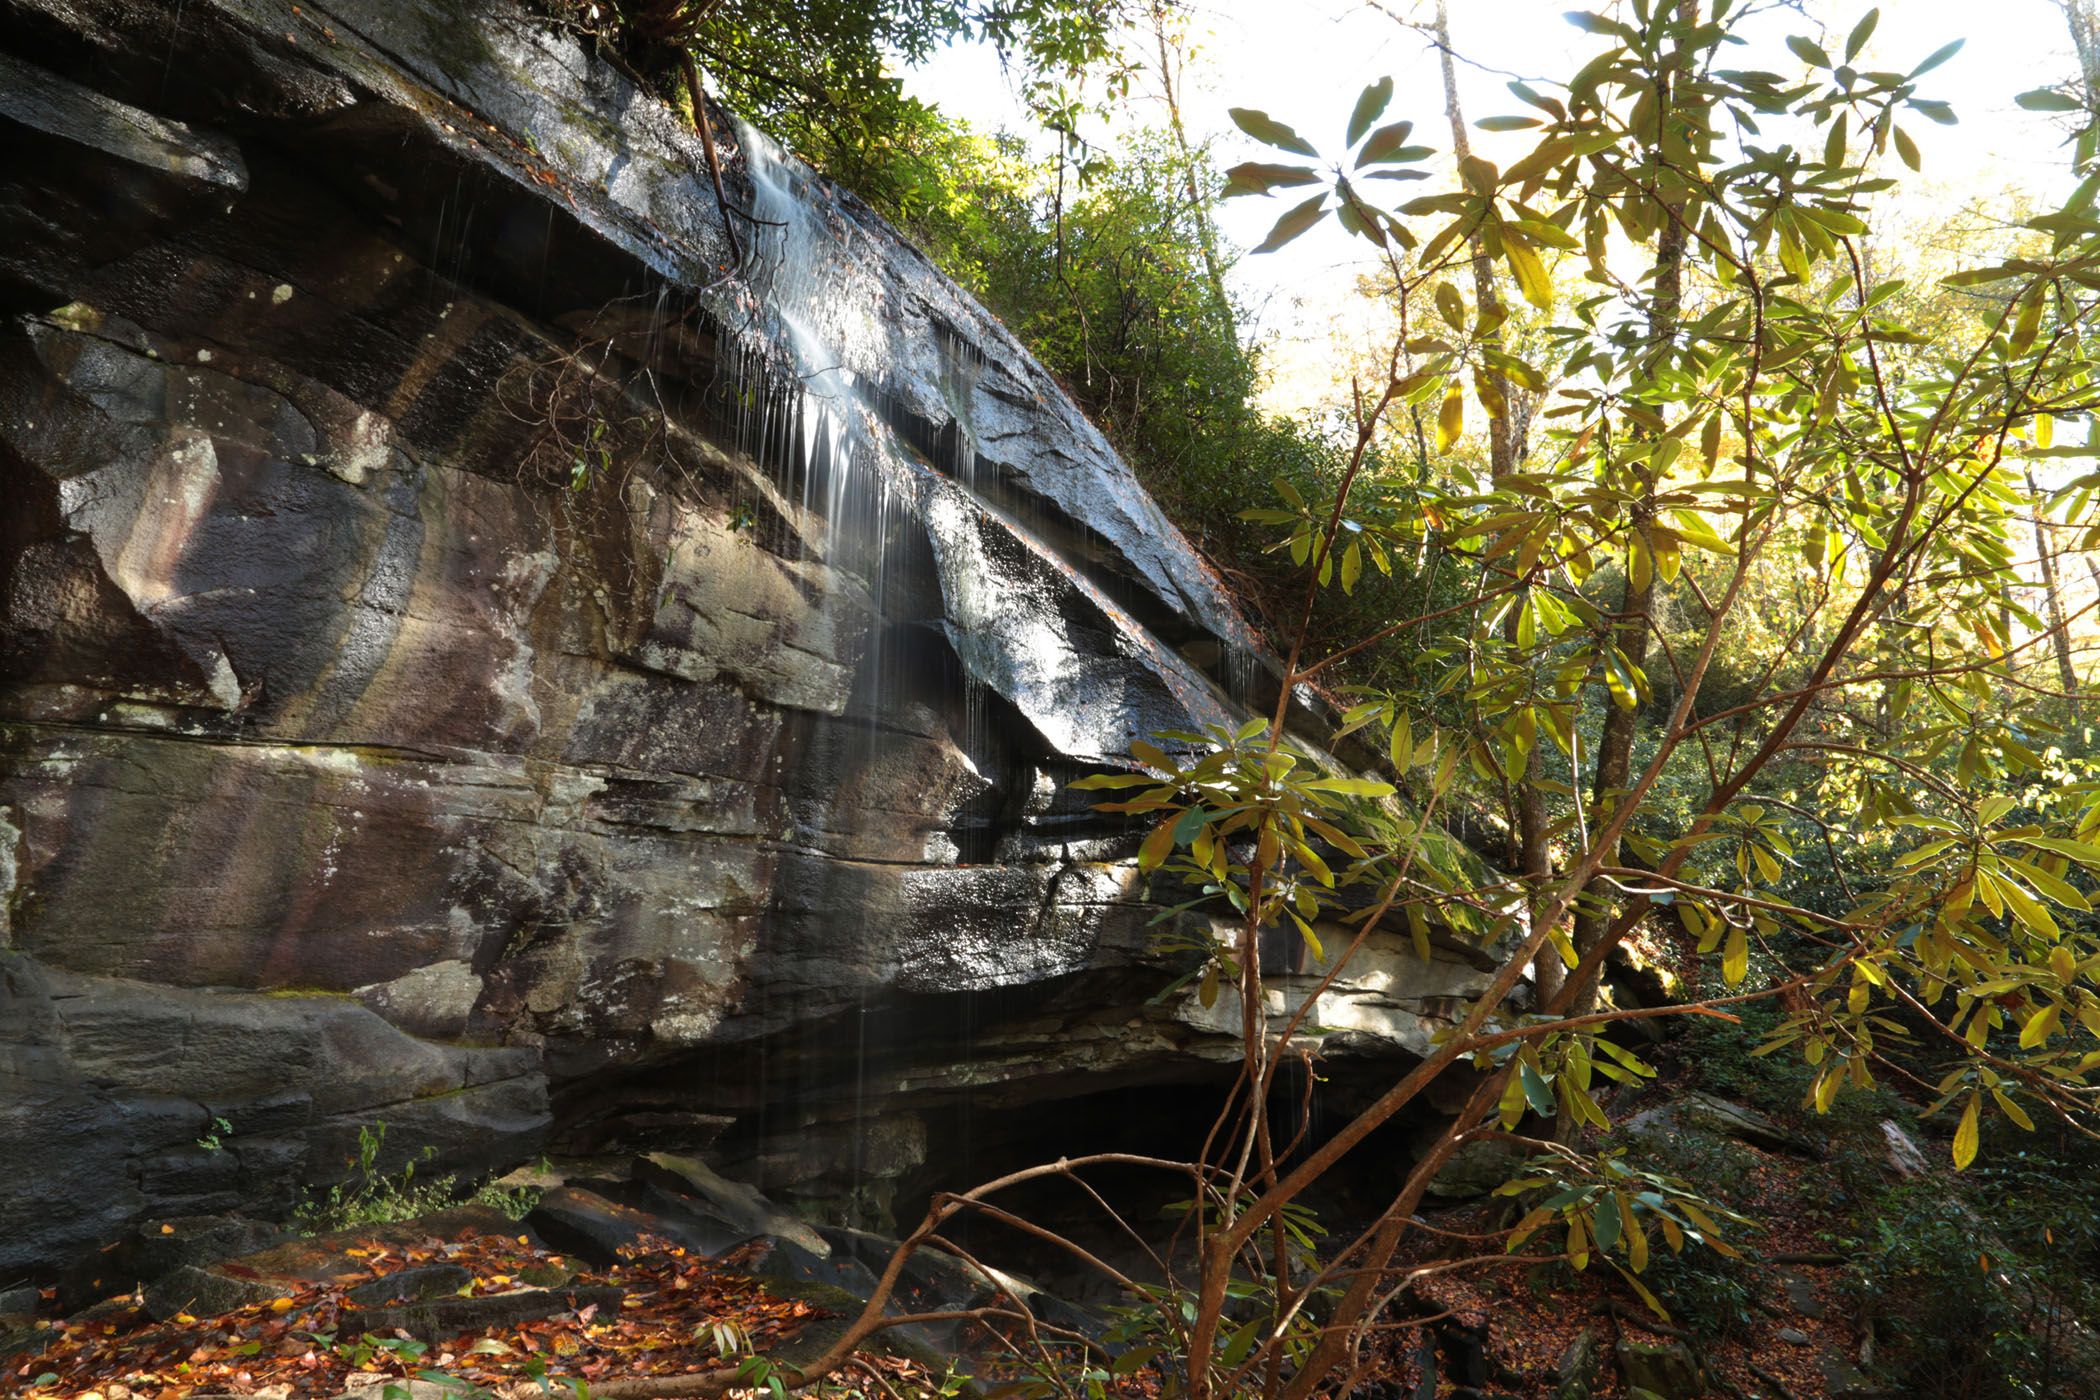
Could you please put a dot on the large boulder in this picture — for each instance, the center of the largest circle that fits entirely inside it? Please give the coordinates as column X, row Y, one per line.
column 1667, row 1370
column 472, row 659
column 1710, row 1114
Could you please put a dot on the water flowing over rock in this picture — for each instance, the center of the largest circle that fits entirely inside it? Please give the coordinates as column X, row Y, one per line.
column 473, row 658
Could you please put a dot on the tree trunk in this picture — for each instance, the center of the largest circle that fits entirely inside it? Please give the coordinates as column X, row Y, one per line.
column 1199, row 207
column 2053, row 600
column 1631, row 627
column 1528, row 817
column 2084, row 24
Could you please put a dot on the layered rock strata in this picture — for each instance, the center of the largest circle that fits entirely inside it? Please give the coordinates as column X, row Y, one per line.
column 463, row 666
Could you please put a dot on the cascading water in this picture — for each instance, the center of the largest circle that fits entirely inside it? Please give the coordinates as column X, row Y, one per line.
column 835, row 460
column 859, row 478
column 806, row 341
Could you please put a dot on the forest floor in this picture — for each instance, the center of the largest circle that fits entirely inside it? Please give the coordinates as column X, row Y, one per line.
column 1504, row 1332
column 1514, row 1332
column 672, row 1311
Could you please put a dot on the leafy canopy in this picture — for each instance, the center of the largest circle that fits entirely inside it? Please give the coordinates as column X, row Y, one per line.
column 1753, row 418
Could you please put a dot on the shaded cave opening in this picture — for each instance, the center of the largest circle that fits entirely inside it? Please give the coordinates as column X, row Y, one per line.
column 862, row 1120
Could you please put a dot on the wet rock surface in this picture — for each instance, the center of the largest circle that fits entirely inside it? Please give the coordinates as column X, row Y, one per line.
column 155, row 1249
column 436, row 1318
column 592, row 1228
column 456, row 674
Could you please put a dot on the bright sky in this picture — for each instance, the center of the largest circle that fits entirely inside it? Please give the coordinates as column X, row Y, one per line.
column 1304, row 62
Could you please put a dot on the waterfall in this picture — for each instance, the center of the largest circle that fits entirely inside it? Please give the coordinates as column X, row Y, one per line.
column 839, row 462
column 806, row 301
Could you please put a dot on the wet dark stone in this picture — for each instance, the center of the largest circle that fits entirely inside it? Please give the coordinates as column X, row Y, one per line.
column 690, row 1222
column 155, row 1248
column 722, row 1209
column 596, row 1230
column 413, row 1285
column 548, row 1275
column 1576, row 1372
column 204, row 1292
column 787, row 1263
column 1801, row 1296
column 1463, row 1351
column 326, row 1258
column 930, row 1280
column 1669, row 1369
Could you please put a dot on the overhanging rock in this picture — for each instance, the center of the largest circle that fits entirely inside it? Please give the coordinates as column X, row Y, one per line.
column 462, row 666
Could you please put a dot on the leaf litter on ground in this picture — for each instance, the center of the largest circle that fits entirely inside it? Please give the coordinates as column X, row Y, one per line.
column 677, row 1306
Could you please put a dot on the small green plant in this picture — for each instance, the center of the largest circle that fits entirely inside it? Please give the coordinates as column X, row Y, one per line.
column 215, row 1140
column 1711, row 1294
column 593, row 457
column 516, row 1202
column 1605, row 1206
column 757, row 1373
column 1988, row 1292
column 724, row 1335
column 373, row 1197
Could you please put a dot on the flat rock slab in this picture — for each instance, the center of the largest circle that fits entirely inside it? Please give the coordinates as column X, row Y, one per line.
column 1668, row 1369
column 152, row 1250
column 326, row 1258
column 930, row 1281
column 735, row 1202
column 437, row 1318
column 227, row 1285
column 1476, row 1169
column 1801, row 1296
column 1844, row 1381
column 702, row 1227
column 205, row 1292
column 421, row 1284
column 1705, row 1112
column 833, row 1281
column 1904, row 1157
column 597, row 1230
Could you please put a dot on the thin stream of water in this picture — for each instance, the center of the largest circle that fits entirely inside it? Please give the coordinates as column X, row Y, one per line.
column 829, row 451
column 804, row 385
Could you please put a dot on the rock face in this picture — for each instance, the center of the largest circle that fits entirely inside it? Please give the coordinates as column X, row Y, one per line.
column 474, row 658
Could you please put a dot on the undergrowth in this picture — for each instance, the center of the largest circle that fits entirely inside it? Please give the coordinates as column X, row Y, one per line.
column 1988, row 1292
column 1982, row 1287
column 375, row 1197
